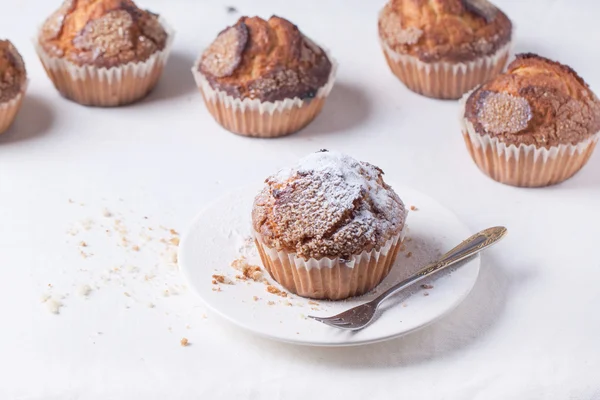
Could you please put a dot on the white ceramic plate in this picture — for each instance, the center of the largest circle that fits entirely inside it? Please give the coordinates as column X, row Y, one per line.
column 217, row 234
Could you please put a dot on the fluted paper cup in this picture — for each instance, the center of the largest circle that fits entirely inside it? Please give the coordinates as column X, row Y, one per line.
column 106, row 87
column 330, row 279
column 524, row 165
column 444, row 80
column 263, row 119
column 9, row 110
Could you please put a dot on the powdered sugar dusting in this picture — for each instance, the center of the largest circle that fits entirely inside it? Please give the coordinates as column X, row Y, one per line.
column 328, row 205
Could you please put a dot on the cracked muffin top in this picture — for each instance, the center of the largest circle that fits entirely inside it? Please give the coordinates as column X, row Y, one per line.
column 444, row 30
column 266, row 60
column 102, row 33
column 537, row 101
column 328, row 205
column 12, row 72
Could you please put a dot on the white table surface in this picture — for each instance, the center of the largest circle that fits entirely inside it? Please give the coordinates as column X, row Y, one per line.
column 529, row 330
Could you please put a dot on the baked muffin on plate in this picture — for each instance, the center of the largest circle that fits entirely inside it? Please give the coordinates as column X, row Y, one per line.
column 264, row 78
column 13, row 82
column 535, row 125
column 328, row 228
column 104, row 52
column 444, row 48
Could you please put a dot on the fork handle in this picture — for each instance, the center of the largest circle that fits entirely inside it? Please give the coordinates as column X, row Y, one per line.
column 467, row 248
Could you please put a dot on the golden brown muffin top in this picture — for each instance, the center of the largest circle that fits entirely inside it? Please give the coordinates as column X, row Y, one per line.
column 444, row 30
column 12, row 71
column 103, row 33
column 537, row 101
column 266, row 60
column 329, row 205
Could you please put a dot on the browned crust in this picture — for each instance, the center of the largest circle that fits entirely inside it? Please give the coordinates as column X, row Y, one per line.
column 266, row 60
column 294, row 217
column 562, row 108
column 444, row 30
column 12, row 71
column 103, row 33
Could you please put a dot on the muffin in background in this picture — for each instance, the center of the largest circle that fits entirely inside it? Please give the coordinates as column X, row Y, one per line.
column 103, row 52
column 444, row 48
column 328, row 228
column 264, row 78
column 13, row 83
column 535, row 125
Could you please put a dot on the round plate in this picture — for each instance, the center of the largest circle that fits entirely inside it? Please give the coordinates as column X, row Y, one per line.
column 220, row 234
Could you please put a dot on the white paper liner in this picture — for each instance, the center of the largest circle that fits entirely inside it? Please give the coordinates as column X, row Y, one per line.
column 330, row 278
column 230, row 111
column 445, row 80
column 77, row 84
column 524, row 165
column 9, row 109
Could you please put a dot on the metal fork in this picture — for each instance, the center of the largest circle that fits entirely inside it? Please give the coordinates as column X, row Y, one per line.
column 359, row 317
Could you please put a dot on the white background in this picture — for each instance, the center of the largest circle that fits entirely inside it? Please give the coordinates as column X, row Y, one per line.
column 529, row 330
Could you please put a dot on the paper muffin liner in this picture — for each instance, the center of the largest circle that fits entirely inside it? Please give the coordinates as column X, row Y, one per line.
column 330, row 279
column 445, row 80
column 9, row 109
column 263, row 119
column 106, row 87
column 524, row 165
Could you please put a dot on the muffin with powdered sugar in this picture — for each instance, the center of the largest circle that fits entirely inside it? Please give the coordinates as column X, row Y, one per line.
column 328, row 228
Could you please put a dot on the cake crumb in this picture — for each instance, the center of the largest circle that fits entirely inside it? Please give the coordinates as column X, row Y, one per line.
column 53, row 305
column 174, row 241
column 273, row 290
column 184, row 342
column 216, row 289
column 126, row 294
column 427, row 286
column 45, row 297
column 426, row 294
column 231, row 10
column 409, row 254
column 413, row 208
column 106, row 213
column 173, row 232
column 221, row 279
column 253, row 272
column 188, row 327
column 150, row 305
column 404, row 305
column 135, row 248
column 83, row 244
column 288, row 303
column 271, row 303
column 166, row 292
column 71, row 201
column 314, row 303
column 84, row 290
column 255, row 298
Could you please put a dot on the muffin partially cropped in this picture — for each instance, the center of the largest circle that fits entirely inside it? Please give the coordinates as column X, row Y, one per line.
column 103, row 52
column 328, row 228
column 444, row 48
column 264, row 78
column 13, row 82
column 535, row 125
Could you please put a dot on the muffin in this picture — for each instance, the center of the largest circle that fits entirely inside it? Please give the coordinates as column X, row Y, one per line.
column 264, row 78
column 535, row 125
column 328, row 228
column 444, row 48
column 103, row 52
column 13, row 82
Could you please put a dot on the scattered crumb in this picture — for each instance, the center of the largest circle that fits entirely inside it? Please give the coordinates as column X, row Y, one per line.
column 313, row 303
column 83, row 244
column 425, row 294
column 132, row 269
column 188, row 327
column 221, row 279
column 409, row 254
column 150, row 305
column 71, row 201
column 87, row 224
column 287, row 303
column 49, row 285
column 126, row 294
column 106, row 213
column 184, row 342
column 45, row 297
column 315, row 309
column 135, row 248
column 73, row 231
column 404, row 305
column 255, row 298
column 173, row 232
column 271, row 303
column 427, row 286
column 216, row 289
column 273, row 290
column 174, row 241
column 231, row 10
column 84, row 290
column 167, row 294
column 53, row 305
column 253, row 272
column 413, row 208
column 204, row 316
